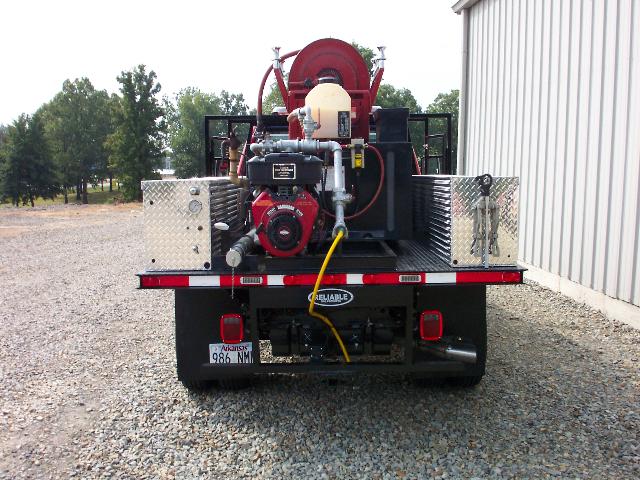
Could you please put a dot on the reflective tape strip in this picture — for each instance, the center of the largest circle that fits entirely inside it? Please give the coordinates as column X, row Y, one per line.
column 243, row 280
column 489, row 277
column 410, row 278
column 164, row 281
column 440, row 277
column 395, row 278
column 252, row 280
column 354, row 279
column 204, row 281
column 306, row 279
column 275, row 280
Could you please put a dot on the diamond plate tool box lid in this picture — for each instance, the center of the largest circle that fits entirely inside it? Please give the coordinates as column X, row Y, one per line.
column 444, row 207
column 178, row 219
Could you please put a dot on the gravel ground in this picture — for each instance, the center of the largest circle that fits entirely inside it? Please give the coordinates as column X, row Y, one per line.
column 89, row 389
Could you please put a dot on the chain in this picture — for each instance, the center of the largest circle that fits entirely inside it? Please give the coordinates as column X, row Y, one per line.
column 233, row 280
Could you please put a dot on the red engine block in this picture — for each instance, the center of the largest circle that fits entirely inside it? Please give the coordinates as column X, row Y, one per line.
column 284, row 227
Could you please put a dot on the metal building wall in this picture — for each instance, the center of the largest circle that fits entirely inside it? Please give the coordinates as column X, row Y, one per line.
column 553, row 96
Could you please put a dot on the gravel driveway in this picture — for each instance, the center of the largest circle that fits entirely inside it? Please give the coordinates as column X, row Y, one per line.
column 89, row 390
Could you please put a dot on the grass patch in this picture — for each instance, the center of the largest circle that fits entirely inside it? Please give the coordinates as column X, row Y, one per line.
column 95, row 196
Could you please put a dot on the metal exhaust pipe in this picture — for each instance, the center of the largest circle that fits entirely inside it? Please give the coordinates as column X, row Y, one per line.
column 464, row 354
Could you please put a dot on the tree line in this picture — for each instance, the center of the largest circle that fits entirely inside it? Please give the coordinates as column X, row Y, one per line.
column 84, row 136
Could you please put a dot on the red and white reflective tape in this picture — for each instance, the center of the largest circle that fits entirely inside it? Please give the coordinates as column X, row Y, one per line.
column 309, row 279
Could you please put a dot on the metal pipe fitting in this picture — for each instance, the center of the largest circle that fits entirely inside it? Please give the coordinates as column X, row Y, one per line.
column 303, row 114
column 242, row 247
column 308, row 124
column 340, row 196
column 380, row 60
column 276, row 58
column 233, row 143
column 233, row 171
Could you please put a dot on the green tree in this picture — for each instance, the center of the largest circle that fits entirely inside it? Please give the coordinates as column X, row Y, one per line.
column 233, row 103
column 367, row 54
column 446, row 103
column 104, row 127
column 272, row 100
column 59, row 132
column 185, row 121
column 392, row 97
column 77, row 125
column 186, row 125
column 26, row 167
column 136, row 145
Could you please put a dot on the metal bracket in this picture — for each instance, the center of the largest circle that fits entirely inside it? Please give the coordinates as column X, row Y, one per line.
column 486, row 219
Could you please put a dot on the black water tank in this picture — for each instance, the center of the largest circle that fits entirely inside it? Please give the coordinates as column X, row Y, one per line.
column 392, row 124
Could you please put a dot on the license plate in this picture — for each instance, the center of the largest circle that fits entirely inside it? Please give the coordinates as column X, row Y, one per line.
column 222, row 353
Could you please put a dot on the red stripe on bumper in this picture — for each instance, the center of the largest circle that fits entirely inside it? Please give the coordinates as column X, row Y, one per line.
column 488, row 277
column 164, row 281
column 305, row 279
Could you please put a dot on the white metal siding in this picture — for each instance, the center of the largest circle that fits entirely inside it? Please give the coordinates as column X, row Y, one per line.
column 553, row 96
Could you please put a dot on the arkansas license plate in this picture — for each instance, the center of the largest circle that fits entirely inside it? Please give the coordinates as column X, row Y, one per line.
column 223, row 353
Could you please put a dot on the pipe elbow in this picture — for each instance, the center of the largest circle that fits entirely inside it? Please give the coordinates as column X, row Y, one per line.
column 293, row 116
column 297, row 113
column 256, row 148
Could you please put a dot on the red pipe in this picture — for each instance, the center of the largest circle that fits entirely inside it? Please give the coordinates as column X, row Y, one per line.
column 375, row 85
column 415, row 161
column 375, row 195
column 264, row 81
column 244, row 153
column 261, row 91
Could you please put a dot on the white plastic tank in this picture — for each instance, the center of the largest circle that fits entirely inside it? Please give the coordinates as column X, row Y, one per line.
column 331, row 110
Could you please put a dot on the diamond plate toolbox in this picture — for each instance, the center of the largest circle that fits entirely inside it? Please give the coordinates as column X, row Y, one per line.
column 178, row 219
column 443, row 207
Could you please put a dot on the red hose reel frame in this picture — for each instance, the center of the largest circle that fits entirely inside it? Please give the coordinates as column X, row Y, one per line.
column 331, row 57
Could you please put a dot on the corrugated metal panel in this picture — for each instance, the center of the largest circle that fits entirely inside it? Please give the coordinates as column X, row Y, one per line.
column 554, row 97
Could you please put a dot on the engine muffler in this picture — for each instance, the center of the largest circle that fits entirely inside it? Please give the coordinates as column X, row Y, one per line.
column 460, row 353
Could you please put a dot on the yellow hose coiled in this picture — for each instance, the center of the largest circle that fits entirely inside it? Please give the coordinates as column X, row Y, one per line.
column 315, row 292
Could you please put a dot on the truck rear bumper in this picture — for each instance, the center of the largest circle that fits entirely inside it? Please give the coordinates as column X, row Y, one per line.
column 171, row 280
column 198, row 313
column 445, row 368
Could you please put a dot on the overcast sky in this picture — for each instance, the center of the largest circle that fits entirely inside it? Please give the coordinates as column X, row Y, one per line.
column 213, row 45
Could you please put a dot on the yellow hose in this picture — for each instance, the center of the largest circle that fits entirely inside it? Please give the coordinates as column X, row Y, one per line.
column 315, row 292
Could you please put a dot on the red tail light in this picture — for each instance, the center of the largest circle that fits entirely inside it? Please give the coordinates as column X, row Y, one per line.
column 431, row 325
column 231, row 328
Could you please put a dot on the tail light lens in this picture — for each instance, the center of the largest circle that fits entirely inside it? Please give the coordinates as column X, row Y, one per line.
column 231, row 328
column 431, row 325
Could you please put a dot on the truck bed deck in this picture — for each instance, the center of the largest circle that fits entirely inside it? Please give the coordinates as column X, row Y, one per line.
column 402, row 262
